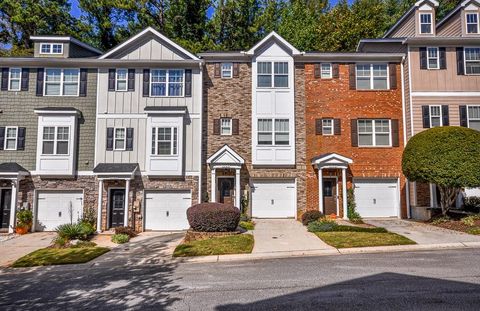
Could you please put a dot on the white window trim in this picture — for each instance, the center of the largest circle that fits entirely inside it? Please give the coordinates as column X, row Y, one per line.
column 10, row 79
column 330, row 74
column 272, row 75
column 167, row 83
column 229, row 133
column 115, row 138
column 51, row 49
column 467, row 23
column 468, row 114
column 55, row 141
column 332, row 127
column 222, row 71
column 465, row 60
column 420, row 23
column 374, row 139
column 273, row 132
column 61, row 82
column 371, row 77
column 430, row 114
column 172, row 154
column 438, row 58
column 116, row 80
column 6, row 137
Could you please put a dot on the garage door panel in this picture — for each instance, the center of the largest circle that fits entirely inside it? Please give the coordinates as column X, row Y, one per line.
column 167, row 210
column 376, row 197
column 57, row 208
column 273, row 199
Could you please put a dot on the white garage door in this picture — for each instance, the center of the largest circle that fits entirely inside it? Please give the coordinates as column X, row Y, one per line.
column 376, row 197
column 167, row 210
column 273, row 199
column 56, row 208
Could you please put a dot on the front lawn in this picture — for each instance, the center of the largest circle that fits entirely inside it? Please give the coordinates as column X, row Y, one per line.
column 59, row 256
column 235, row 244
column 339, row 239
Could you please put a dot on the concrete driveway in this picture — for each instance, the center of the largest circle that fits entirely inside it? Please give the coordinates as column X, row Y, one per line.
column 422, row 233
column 17, row 247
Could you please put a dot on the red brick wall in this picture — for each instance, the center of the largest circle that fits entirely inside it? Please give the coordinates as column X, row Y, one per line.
column 333, row 98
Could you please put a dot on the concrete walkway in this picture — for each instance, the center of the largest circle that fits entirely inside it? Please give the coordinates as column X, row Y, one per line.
column 284, row 235
column 17, row 247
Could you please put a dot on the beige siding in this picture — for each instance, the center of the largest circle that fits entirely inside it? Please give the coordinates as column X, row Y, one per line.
column 406, row 29
column 452, row 28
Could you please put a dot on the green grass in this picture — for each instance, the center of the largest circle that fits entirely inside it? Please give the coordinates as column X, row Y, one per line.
column 59, row 256
column 235, row 244
column 247, row 225
column 362, row 239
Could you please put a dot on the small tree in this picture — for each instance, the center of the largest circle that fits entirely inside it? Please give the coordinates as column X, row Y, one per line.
column 446, row 156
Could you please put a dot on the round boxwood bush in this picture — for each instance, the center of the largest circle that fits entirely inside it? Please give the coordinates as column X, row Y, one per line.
column 310, row 216
column 213, row 217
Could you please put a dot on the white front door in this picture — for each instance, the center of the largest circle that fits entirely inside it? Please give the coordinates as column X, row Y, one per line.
column 56, row 208
column 273, row 199
column 376, row 197
column 167, row 210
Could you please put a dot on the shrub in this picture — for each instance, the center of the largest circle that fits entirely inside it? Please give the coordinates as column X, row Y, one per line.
column 472, row 204
column 323, row 224
column 352, row 213
column 247, row 225
column 440, row 220
column 126, row 230
column 24, row 218
column 475, row 231
column 89, row 216
column 79, row 231
column 213, row 217
column 310, row 216
column 470, row 220
column 120, row 238
column 59, row 242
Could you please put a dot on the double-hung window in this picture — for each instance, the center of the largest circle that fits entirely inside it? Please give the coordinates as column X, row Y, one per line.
column 276, row 78
column 327, row 127
column 166, row 82
column 120, row 138
column 373, row 133
column 273, row 132
column 435, row 116
column 264, row 74
column 432, row 58
column 227, row 70
column 62, row 82
column 51, row 48
column 11, row 135
column 14, row 79
column 472, row 61
column 326, row 71
column 473, row 114
column 165, row 141
column 121, row 80
column 472, row 22
column 372, row 76
column 425, row 23
column 225, row 126
column 280, row 78
column 55, row 140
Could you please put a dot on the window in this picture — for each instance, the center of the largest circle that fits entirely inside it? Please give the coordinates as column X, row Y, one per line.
column 327, row 126
column 426, row 23
column 472, row 61
column 227, row 70
column 326, row 71
column 225, row 126
column 473, row 114
column 11, row 138
column 166, row 82
column 268, row 136
column 432, row 58
column 120, row 138
column 372, row 77
column 55, row 140
column 14, row 79
column 472, row 22
column 164, row 141
column 374, row 133
column 435, row 116
column 62, row 82
column 121, row 75
column 51, row 48
column 280, row 74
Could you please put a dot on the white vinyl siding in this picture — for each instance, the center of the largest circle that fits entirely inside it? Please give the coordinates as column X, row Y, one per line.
column 433, row 60
column 472, row 61
column 61, row 82
column 166, row 83
column 472, row 23
column 425, row 23
column 372, row 76
column 374, row 133
column 474, row 117
column 14, row 79
column 11, row 136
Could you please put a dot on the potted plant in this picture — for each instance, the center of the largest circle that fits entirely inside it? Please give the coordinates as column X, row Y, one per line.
column 24, row 221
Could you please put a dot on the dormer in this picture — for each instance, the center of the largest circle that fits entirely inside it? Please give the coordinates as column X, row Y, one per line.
column 62, row 47
column 463, row 21
column 418, row 21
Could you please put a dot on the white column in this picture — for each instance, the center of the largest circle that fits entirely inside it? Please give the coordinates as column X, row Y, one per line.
column 344, row 192
column 213, row 182
column 13, row 206
column 127, row 190
column 321, row 208
column 237, row 188
column 99, row 206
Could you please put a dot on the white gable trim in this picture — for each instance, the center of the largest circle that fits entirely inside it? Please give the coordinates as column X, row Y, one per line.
column 219, row 157
column 270, row 36
column 332, row 160
column 141, row 34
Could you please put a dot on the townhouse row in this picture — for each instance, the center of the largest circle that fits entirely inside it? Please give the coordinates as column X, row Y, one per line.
column 136, row 135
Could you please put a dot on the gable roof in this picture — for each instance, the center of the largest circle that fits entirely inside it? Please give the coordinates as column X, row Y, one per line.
column 67, row 39
column 145, row 32
column 225, row 156
column 273, row 36
column 455, row 10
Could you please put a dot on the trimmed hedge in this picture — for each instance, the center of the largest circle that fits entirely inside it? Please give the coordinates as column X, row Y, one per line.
column 213, row 217
column 310, row 216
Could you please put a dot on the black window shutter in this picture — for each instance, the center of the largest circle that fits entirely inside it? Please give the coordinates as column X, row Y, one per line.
column 40, row 73
column 354, row 132
column 131, row 80
column 443, row 58
column 4, row 79
column 217, row 70
column 335, row 71
column 426, row 116
column 129, row 142
column 337, row 127
column 21, row 138
column 318, row 126
column 445, row 118
column 460, row 67
column 392, row 68
column 316, row 71
column 395, row 133
column 236, row 70
column 216, row 127
column 110, row 138
column 25, row 79
column 2, row 137
column 83, row 82
column 463, row 116
column 352, row 77
column 423, row 58
column 235, row 126
column 188, row 82
column 111, row 80
column 146, row 82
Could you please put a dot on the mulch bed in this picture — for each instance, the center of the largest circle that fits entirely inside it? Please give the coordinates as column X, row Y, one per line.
column 457, row 225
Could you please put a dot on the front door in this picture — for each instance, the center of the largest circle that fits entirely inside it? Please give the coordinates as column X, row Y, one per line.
column 225, row 189
column 117, row 207
column 5, row 203
column 330, row 195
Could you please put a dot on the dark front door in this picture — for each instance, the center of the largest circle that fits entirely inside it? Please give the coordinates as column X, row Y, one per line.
column 5, row 203
column 225, row 189
column 330, row 195
column 117, row 207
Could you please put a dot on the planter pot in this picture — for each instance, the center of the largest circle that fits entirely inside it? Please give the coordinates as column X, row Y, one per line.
column 21, row 230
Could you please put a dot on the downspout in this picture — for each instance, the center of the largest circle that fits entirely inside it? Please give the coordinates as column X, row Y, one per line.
column 407, row 189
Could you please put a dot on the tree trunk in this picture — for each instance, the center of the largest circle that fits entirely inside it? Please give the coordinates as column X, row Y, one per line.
column 447, row 198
